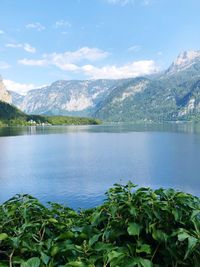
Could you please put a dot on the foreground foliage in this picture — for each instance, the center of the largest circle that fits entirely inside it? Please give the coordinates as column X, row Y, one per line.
column 131, row 228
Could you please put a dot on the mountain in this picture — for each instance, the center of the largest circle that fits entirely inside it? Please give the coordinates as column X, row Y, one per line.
column 173, row 95
column 186, row 61
column 5, row 96
column 11, row 115
column 65, row 97
column 16, row 98
column 8, row 112
column 170, row 95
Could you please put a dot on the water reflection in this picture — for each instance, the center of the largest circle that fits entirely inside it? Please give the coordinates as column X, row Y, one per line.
column 189, row 127
column 75, row 165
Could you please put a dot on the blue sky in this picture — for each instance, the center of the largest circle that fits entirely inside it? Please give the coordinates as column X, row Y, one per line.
column 45, row 40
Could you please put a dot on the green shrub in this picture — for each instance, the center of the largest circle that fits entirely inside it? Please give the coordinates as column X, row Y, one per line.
column 132, row 227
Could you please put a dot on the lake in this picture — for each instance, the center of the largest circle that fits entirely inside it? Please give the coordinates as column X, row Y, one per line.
column 75, row 165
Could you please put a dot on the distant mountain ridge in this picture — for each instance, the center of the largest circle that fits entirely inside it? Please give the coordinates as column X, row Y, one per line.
column 172, row 95
column 65, row 97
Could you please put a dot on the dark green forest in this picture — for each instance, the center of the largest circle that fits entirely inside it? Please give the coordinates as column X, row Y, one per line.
column 12, row 116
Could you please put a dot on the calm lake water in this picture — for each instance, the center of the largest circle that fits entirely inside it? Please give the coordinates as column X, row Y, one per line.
column 75, row 165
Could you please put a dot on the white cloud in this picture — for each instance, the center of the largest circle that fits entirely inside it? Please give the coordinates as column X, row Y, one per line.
column 21, row 88
column 62, row 24
column 37, row 26
column 4, row 65
column 2, row 32
column 66, row 60
column 126, row 2
column 120, row 2
column 133, row 69
column 27, row 47
column 64, row 32
column 146, row 2
column 72, row 61
column 159, row 53
column 14, row 45
column 130, row 70
column 66, row 66
column 134, row 48
column 84, row 53
column 32, row 62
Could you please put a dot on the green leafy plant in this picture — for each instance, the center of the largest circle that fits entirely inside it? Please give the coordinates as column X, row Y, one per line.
column 133, row 227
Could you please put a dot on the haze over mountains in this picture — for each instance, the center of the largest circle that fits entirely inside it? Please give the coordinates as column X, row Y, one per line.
column 171, row 95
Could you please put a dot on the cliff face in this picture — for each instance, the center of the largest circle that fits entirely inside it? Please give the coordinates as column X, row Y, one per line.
column 77, row 98
column 5, row 96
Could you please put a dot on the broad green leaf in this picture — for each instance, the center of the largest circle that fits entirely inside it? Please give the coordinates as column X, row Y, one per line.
column 95, row 217
column 195, row 213
column 145, row 263
column 3, row 236
column 53, row 220
column 114, row 254
column 140, row 262
column 159, row 235
column 33, row 262
column 182, row 236
column 176, row 214
column 15, row 241
column 100, row 246
column 131, row 263
column 196, row 225
column 66, row 235
column 76, row 264
column 45, row 258
column 54, row 250
column 192, row 241
column 182, row 195
column 133, row 211
column 144, row 248
column 134, row 229
column 94, row 239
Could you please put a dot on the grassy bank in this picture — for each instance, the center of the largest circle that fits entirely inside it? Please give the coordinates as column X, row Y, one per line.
column 131, row 228
column 32, row 120
column 67, row 120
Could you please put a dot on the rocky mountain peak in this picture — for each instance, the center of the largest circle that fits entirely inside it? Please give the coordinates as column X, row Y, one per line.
column 186, row 57
column 4, row 94
column 185, row 60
